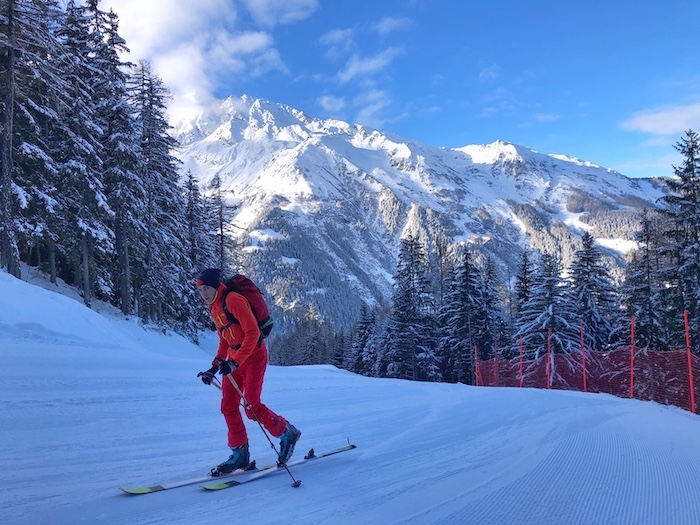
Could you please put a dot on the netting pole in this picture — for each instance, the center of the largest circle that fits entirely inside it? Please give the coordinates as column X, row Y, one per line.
column 495, row 368
column 477, row 371
column 691, row 383
column 549, row 356
column 583, row 357
column 521, row 361
column 632, row 358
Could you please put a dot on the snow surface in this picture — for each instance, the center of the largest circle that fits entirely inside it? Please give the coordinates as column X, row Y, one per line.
column 91, row 402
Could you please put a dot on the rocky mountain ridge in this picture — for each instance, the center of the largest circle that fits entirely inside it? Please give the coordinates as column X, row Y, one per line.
column 324, row 203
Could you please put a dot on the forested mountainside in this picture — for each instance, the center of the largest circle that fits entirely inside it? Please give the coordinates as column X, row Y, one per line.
column 320, row 206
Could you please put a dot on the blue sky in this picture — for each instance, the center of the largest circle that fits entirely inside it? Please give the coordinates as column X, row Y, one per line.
column 615, row 82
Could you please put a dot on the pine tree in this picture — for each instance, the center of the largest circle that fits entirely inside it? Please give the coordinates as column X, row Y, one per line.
column 682, row 207
column 223, row 213
column 495, row 331
column 462, row 318
column 83, row 210
column 410, row 351
column 523, row 287
column 377, row 344
column 200, row 245
column 121, row 164
column 549, row 310
column 167, row 293
column 312, row 347
column 518, row 296
column 340, row 347
column 31, row 91
column 595, row 298
column 363, row 331
column 641, row 290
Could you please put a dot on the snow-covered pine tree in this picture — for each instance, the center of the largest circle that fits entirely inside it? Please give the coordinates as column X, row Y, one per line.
column 31, row 91
column 596, row 301
column 199, row 242
column 462, row 318
column 523, row 282
column 495, row 334
column 121, row 166
column 682, row 207
column 375, row 348
column 312, row 351
column 523, row 288
column 82, row 210
column 410, row 351
column 550, row 308
column 222, row 212
column 641, row 290
column 168, row 293
column 340, row 347
column 353, row 360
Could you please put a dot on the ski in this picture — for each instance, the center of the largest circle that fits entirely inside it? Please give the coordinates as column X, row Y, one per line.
column 136, row 491
column 245, row 477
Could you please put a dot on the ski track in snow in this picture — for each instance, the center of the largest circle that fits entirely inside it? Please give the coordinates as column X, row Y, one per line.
column 81, row 416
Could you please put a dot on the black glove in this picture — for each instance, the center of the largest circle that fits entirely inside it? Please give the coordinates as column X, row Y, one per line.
column 208, row 376
column 226, row 367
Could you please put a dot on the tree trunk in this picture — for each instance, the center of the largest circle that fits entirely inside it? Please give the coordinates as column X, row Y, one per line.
column 52, row 260
column 123, row 276
column 37, row 245
column 9, row 256
column 86, row 270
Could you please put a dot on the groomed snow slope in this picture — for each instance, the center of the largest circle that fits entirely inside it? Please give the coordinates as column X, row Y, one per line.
column 89, row 403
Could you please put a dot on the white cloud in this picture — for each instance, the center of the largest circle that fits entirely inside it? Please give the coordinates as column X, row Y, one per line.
column 650, row 165
column 150, row 27
column 358, row 66
column 546, row 117
column 331, row 104
column 371, row 104
column 498, row 102
column 665, row 121
column 338, row 42
column 388, row 24
column 487, row 74
column 193, row 46
column 181, row 70
column 275, row 12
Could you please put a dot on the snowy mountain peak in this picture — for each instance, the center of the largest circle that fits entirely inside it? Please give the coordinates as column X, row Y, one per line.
column 495, row 152
column 336, row 198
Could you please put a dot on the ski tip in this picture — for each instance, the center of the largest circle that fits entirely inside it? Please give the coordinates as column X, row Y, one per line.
column 214, row 487
column 136, row 490
column 219, row 486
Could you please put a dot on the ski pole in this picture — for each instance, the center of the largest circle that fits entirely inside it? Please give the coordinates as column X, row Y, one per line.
column 296, row 483
column 216, row 383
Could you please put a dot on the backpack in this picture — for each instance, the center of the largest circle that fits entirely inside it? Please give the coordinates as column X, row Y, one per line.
column 247, row 288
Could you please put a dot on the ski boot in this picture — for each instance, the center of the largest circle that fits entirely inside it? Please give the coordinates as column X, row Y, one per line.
column 287, row 441
column 239, row 459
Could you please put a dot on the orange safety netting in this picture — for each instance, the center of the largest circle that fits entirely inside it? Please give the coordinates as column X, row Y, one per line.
column 664, row 377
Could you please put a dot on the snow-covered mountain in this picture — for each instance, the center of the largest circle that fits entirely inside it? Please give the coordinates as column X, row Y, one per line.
column 323, row 203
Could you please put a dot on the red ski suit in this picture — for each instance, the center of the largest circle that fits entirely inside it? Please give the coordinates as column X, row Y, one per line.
column 242, row 343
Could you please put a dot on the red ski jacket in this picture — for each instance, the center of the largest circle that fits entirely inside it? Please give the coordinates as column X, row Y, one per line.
column 236, row 341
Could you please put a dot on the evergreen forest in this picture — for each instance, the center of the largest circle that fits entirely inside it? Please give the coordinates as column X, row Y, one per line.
column 91, row 193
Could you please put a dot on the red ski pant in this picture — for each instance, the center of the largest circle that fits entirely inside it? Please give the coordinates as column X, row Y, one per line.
column 249, row 378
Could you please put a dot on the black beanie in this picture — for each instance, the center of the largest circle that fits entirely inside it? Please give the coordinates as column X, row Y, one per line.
column 209, row 277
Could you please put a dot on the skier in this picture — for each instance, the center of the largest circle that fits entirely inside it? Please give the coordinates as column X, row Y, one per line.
column 242, row 353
